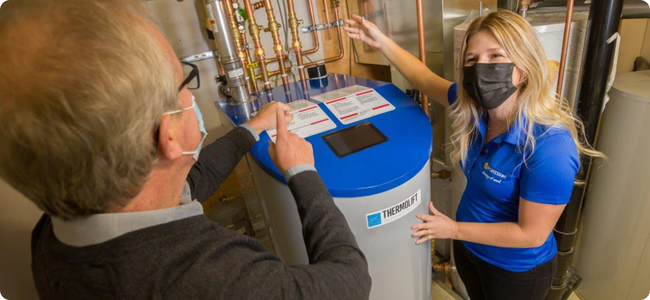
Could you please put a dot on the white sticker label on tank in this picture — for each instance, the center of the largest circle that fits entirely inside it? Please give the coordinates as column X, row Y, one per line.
column 359, row 106
column 344, row 92
column 308, row 119
column 394, row 212
column 235, row 73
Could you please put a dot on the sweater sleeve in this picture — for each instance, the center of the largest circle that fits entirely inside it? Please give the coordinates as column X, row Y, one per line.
column 217, row 160
column 337, row 268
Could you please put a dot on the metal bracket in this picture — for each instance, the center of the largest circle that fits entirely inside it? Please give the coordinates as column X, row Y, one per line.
column 322, row 26
column 199, row 56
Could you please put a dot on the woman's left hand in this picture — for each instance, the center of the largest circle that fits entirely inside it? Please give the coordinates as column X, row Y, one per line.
column 435, row 226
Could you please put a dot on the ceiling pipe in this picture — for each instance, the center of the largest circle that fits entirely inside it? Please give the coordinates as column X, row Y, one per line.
column 632, row 9
column 565, row 45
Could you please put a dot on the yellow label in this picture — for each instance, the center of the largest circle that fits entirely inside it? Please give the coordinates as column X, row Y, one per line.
column 252, row 65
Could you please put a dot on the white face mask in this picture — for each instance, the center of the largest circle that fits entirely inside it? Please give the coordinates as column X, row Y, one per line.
column 199, row 116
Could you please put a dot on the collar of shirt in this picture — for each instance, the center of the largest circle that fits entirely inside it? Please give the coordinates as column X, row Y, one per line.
column 515, row 134
column 99, row 228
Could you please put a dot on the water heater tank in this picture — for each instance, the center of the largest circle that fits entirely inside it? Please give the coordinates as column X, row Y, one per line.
column 613, row 256
column 371, row 146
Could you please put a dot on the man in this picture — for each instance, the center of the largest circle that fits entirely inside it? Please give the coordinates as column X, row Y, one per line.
column 98, row 129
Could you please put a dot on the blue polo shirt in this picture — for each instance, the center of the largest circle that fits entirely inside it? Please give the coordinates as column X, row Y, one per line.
column 497, row 177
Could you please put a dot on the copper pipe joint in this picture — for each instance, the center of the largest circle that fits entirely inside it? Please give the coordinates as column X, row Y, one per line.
column 274, row 28
column 297, row 48
column 237, row 37
column 258, row 5
column 254, row 30
column 314, row 34
column 340, row 41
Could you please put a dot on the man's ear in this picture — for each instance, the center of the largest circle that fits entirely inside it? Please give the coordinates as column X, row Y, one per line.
column 168, row 144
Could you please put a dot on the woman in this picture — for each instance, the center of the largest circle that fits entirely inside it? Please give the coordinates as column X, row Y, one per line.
column 518, row 146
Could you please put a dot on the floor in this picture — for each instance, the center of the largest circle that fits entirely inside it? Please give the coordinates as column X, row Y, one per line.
column 439, row 291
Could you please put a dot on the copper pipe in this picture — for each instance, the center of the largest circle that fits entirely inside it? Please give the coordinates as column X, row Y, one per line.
column 238, row 43
column 340, row 40
column 220, row 68
column 222, row 71
column 274, row 59
column 565, row 45
column 423, row 55
column 441, row 174
column 249, row 66
column 327, row 16
column 244, row 39
column 254, row 30
column 524, row 7
column 269, row 74
column 314, row 34
column 297, row 47
column 258, row 5
column 274, row 28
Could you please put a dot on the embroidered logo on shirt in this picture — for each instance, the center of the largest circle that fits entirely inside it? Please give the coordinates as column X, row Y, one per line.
column 493, row 175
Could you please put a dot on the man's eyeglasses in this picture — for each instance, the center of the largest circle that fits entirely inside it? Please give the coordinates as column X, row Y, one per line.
column 191, row 74
column 192, row 81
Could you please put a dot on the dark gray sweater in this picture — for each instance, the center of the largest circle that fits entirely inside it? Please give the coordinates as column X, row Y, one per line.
column 195, row 258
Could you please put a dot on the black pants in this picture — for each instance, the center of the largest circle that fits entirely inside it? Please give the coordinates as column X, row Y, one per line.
column 488, row 282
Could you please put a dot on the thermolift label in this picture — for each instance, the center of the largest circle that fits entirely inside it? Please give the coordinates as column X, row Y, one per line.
column 394, row 212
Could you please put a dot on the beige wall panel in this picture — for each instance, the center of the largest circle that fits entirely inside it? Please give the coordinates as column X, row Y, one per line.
column 632, row 33
column 645, row 50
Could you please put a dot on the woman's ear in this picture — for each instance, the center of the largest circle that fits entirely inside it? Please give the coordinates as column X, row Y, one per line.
column 522, row 80
column 168, row 144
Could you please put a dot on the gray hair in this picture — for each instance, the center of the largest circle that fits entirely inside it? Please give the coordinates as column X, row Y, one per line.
column 83, row 85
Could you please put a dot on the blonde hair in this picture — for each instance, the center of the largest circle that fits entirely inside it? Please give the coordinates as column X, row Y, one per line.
column 537, row 103
column 83, row 87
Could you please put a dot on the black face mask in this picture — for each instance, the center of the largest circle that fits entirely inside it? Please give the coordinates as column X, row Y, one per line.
column 489, row 84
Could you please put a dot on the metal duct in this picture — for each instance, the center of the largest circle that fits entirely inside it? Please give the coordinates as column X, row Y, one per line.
column 632, row 9
column 235, row 74
column 636, row 9
column 549, row 28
